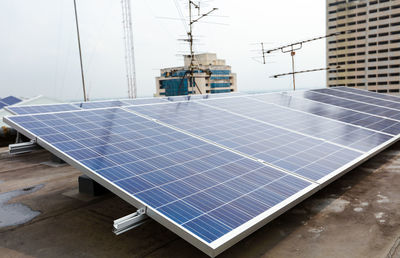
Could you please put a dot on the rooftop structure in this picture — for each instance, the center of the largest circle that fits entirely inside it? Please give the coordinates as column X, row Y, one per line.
column 212, row 75
column 368, row 50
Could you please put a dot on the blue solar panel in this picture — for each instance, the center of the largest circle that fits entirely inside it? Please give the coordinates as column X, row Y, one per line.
column 214, row 169
column 361, row 98
column 100, row 104
column 11, row 100
column 308, row 124
column 36, row 109
column 204, row 189
column 291, row 151
column 348, row 103
column 204, row 96
column 377, row 123
column 369, row 93
column 144, row 101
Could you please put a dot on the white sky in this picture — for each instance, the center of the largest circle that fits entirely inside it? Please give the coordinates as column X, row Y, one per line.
column 39, row 55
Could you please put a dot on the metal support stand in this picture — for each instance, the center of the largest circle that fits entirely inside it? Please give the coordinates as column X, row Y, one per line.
column 23, row 147
column 91, row 187
column 129, row 222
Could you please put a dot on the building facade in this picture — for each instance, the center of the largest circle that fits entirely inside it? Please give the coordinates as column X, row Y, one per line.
column 366, row 50
column 211, row 75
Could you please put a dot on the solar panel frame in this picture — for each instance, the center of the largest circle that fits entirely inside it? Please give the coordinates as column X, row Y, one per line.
column 212, row 249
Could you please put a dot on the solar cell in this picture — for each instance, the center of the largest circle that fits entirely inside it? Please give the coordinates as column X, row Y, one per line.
column 209, row 197
column 349, row 116
column 288, row 150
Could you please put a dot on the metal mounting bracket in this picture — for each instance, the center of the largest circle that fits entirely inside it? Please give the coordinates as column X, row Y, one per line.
column 130, row 221
column 23, row 147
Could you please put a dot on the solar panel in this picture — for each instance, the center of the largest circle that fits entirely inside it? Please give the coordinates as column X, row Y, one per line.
column 207, row 194
column 344, row 115
column 280, row 147
column 204, row 96
column 333, row 131
column 100, row 104
column 11, row 100
column 361, row 98
column 143, row 101
column 349, row 104
column 36, row 109
column 214, row 170
column 369, row 93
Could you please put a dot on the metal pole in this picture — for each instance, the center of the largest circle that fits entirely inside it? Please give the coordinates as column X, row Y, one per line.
column 80, row 52
column 294, row 80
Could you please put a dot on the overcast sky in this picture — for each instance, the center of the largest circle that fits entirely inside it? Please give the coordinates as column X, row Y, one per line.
column 39, row 54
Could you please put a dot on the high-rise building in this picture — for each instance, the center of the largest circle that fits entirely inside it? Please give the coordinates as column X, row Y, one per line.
column 211, row 75
column 366, row 49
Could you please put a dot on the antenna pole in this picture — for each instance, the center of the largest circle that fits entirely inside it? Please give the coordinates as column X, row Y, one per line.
column 292, row 53
column 192, row 81
column 80, row 53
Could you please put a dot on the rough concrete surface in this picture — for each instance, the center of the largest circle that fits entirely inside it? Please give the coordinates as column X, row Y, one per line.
column 356, row 216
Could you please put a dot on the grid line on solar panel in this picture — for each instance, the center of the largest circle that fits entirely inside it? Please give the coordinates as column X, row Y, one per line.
column 355, row 105
column 357, row 91
column 306, row 124
column 44, row 108
column 343, row 115
column 289, row 151
column 47, row 122
column 51, row 108
column 361, row 98
column 333, row 101
column 379, row 100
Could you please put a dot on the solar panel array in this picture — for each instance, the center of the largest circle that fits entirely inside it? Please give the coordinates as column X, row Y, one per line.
column 49, row 108
column 214, row 170
column 8, row 101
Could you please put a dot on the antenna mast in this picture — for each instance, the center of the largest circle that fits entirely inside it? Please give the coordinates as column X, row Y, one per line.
column 192, row 21
column 129, row 49
column 80, row 52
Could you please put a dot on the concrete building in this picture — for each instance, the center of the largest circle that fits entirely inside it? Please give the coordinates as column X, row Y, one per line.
column 368, row 51
column 212, row 75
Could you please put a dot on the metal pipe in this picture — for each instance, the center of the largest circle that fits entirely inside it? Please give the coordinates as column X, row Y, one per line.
column 80, row 52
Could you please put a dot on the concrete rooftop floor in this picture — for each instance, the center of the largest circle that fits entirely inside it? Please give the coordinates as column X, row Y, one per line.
column 356, row 216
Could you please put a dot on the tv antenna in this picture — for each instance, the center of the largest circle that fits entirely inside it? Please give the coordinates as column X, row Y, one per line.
column 305, row 71
column 292, row 48
column 192, row 21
